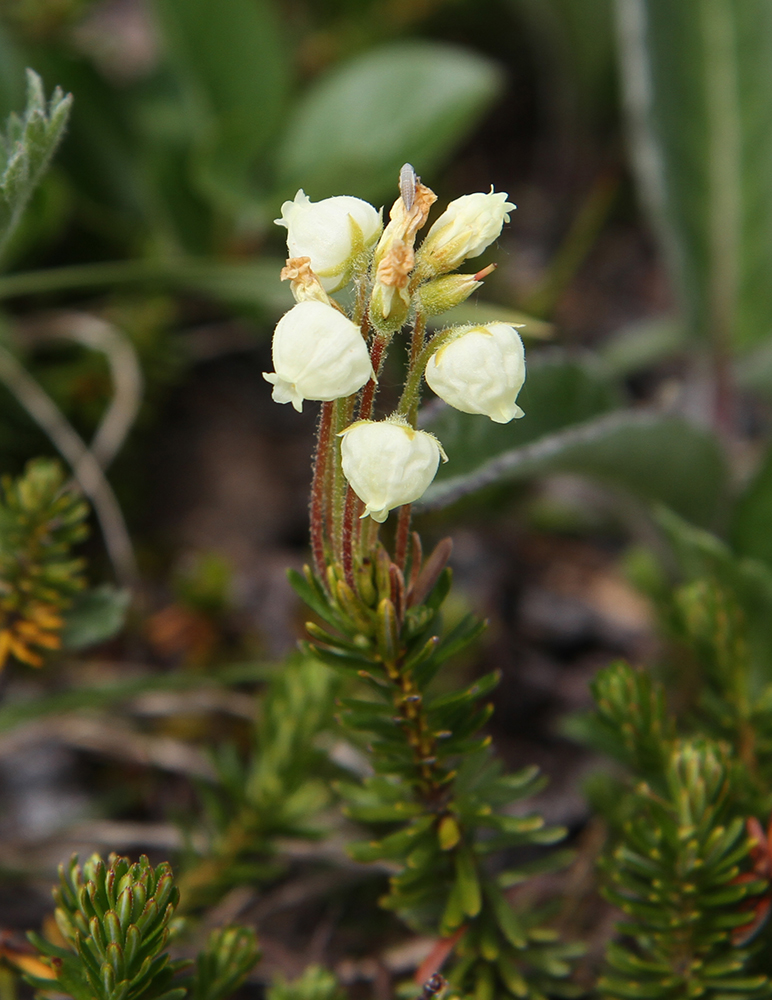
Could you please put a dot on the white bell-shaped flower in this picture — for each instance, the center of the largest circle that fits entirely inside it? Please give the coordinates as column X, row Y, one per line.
column 388, row 463
column 318, row 353
column 333, row 232
column 480, row 369
column 467, row 227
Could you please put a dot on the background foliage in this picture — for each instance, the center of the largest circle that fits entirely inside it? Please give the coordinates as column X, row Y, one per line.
column 139, row 261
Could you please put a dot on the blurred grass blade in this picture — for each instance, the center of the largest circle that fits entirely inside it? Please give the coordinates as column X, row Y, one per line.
column 243, row 283
column 699, row 100
column 358, row 124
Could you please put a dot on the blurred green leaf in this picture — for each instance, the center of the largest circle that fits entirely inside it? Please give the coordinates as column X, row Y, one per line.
column 574, row 42
column 250, row 284
column 655, row 458
column 751, row 528
column 643, row 345
column 699, row 98
column 100, row 150
column 355, row 127
column 233, row 68
column 230, row 955
column 316, row 983
column 753, row 371
column 11, row 76
column 557, row 393
column 26, row 149
column 701, row 556
column 96, row 615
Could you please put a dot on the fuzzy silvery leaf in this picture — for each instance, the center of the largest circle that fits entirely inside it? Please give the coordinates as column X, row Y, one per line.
column 26, row 149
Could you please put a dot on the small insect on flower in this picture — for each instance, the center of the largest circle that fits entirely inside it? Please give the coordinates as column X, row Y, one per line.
column 407, row 185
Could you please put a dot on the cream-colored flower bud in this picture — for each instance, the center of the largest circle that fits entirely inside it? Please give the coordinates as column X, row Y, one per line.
column 388, row 463
column 467, row 227
column 318, row 353
column 449, row 291
column 333, row 233
column 480, row 369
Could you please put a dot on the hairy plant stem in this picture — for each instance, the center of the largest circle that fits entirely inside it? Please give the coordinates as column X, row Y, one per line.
column 343, row 411
column 420, row 352
column 408, row 407
column 367, row 530
column 416, row 344
column 359, row 315
column 351, row 509
column 319, row 489
column 403, row 535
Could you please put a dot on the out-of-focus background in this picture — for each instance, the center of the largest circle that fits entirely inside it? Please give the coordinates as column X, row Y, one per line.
column 143, row 285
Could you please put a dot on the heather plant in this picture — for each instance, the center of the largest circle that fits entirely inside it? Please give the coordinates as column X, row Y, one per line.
column 683, row 800
column 117, row 922
column 438, row 801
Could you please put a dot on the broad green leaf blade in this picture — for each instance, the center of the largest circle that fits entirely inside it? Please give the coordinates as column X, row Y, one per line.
column 558, row 393
column 354, row 128
column 233, row 67
column 699, row 102
column 751, row 528
column 247, row 284
column 652, row 457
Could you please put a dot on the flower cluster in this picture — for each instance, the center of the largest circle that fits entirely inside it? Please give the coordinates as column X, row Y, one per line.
column 319, row 353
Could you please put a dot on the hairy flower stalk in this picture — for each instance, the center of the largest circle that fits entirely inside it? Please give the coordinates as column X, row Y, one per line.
column 435, row 784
